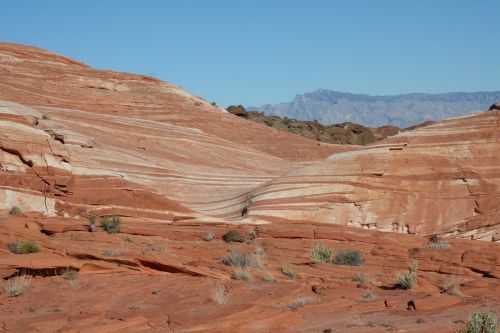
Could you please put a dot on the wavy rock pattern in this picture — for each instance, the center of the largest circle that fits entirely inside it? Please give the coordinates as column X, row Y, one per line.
column 75, row 141
column 443, row 178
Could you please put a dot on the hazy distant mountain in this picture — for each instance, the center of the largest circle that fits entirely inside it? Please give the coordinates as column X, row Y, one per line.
column 328, row 106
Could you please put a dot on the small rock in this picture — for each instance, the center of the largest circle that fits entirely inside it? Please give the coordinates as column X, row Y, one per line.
column 495, row 106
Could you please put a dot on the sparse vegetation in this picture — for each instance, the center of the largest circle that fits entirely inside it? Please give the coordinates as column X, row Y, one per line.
column 45, row 116
column 320, row 253
column 452, row 285
column 299, row 303
column 92, row 219
column 241, row 273
column 15, row 210
column 349, row 258
column 482, row 322
column 111, row 224
column 70, row 274
column 154, row 246
column 408, row 279
column 209, row 236
column 440, row 244
column 239, row 259
column 287, row 270
column 219, row 295
column 15, row 286
column 360, row 277
column 233, row 236
column 22, row 246
column 268, row 277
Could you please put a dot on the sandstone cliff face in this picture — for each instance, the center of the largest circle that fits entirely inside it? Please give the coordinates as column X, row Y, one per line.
column 77, row 141
column 440, row 179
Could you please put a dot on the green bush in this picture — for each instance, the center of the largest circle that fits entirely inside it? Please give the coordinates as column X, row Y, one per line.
column 111, row 224
column 482, row 322
column 320, row 253
column 24, row 246
column 408, row 279
column 349, row 258
column 233, row 236
column 15, row 211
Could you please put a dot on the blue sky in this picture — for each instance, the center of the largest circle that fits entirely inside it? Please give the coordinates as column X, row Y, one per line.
column 265, row 51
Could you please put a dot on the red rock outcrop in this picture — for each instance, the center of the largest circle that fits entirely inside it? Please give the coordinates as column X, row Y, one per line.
column 76, row 140
column 439, row 179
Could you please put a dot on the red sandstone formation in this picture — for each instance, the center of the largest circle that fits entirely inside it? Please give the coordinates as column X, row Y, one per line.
column 75, row 142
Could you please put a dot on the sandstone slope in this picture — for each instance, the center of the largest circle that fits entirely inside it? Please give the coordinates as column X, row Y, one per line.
column 75, row 140
column 443, row 178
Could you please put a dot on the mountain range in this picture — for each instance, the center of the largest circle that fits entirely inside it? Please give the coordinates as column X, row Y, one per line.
column 328, row 106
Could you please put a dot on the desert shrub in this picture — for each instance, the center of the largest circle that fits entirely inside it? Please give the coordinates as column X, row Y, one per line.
column 154, row 246
column 349, row 258
column 482, row 322
column 299, row 303
column 209, row 236
column 440, row 244
column 320, row 253
column 233, row 236
column 15, row 286
column 45, row 116
column 24, row 246
column 452, row 286
column 219, row 295
column 408, row 279
column 15, row 211
column 92, row 219
column 287, row 270
column 239, row 259
column 268, row 277
column 70, row 274
column 111, row 224
column 359, row 277
column 241, row 273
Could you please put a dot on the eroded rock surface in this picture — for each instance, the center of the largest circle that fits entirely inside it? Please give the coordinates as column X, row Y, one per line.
column 75, row 142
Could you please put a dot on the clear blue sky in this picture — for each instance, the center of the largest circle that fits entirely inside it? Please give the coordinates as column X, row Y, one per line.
column 265, row 51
